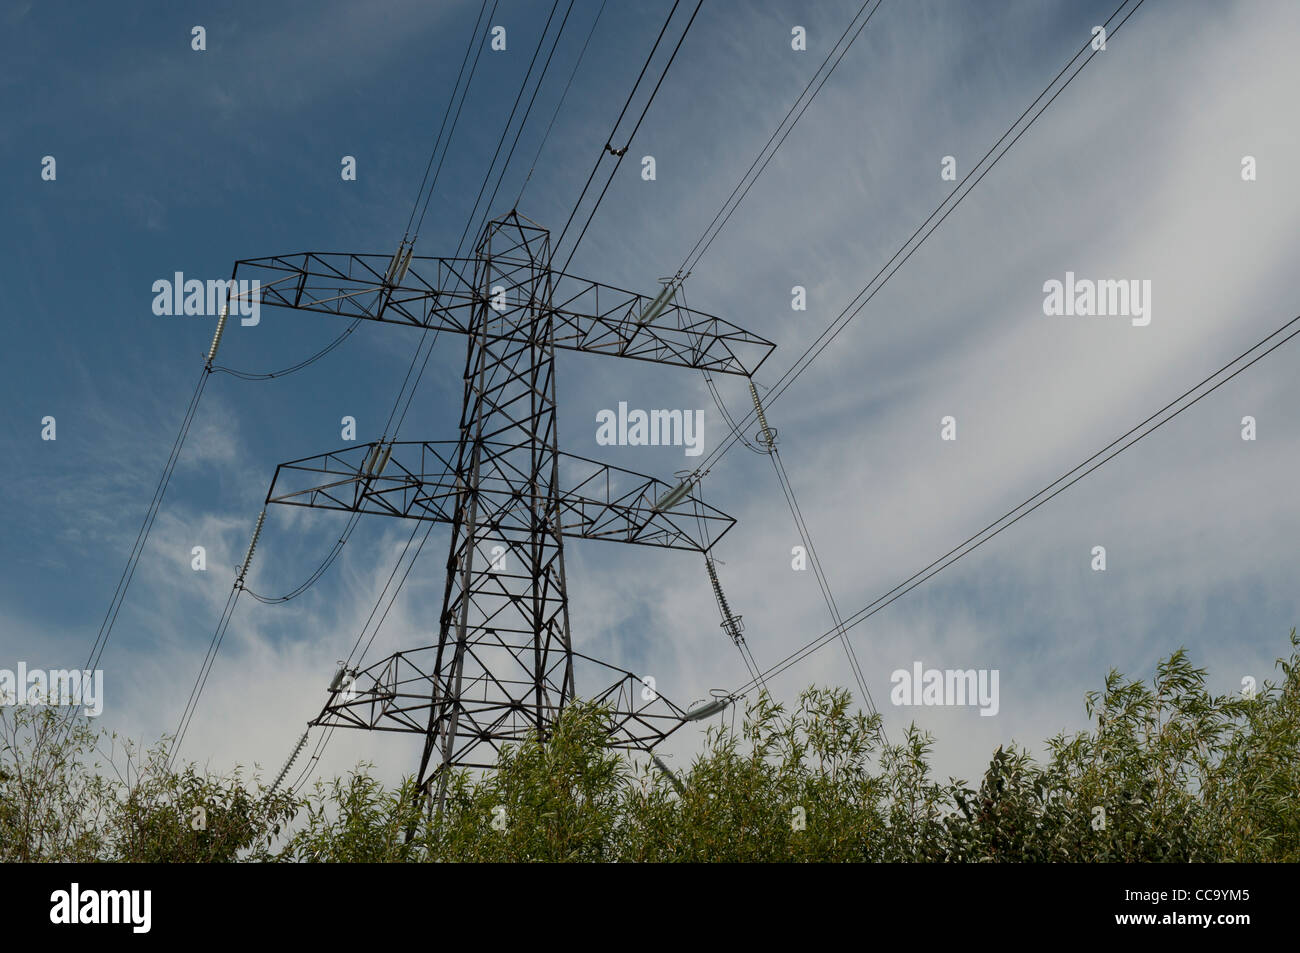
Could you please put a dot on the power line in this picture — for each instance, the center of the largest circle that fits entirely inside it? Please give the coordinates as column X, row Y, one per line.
column 728, row 209
column 731, row 623
column 1014, row 515
column 564, row 95
column 477, row 202
column 627, row 103
column 689, row 265
column 614, row 129
column 722, row 409
column 155, row 504
column 325, row 738
column 474, row 34
column 455, row 121
column 473, row 211
column 527, row 112
column 622, row 152
column 823, row 583
column 711, row 232
column 767, row 437
column 201, row 681
column 328, row 561
column 142, row 536
column 469, row 46
column 541, row 40
column 285, row 372
column 924, row 230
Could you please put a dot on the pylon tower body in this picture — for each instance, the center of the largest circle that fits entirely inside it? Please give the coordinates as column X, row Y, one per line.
column 503, row 663
column 505, row 658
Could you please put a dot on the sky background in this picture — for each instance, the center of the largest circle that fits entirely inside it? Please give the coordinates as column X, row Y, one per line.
column 174, row 160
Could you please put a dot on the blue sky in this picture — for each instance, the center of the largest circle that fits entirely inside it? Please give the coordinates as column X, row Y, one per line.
column 174, row 160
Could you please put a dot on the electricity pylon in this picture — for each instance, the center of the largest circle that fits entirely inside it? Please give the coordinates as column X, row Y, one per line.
column 503, row 663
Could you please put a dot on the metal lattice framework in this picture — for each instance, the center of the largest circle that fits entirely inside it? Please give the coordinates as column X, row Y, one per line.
column 503, row 663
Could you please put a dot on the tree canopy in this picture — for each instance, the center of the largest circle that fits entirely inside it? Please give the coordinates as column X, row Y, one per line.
column 1165, row 771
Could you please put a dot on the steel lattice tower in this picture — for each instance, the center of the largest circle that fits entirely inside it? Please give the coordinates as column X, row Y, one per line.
column 503, row 662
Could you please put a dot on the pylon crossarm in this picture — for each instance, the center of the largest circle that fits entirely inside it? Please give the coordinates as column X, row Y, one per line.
column 601, row 319
column 418, row 481
column 396, row 694
column 606, row 502
column 441, row 294
column 434, row 292
column 641, row 717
